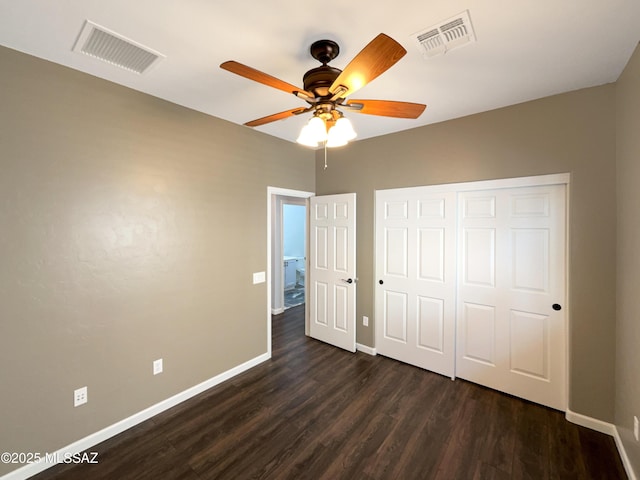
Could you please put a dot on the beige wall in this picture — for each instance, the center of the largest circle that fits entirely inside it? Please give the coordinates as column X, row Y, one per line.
column 573, row 132
column 129, row 230
column 627, row 401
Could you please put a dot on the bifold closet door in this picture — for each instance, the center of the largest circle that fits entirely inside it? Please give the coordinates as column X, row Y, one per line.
column 415, row 277
column 511, row 323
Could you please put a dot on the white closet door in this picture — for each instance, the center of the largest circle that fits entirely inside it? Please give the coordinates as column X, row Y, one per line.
column 332, row 270
column 415, row 277
column 511, row 324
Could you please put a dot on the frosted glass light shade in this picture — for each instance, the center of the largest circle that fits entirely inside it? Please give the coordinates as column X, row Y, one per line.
column 315, row 132
column 318, row 129
column 345, row 128
column 335, row 139
column 341, row 133
column 306, row 137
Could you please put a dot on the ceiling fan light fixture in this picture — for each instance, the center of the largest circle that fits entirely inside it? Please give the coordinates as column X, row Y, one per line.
column 306, row 137
column 345, row 129
column 315, row 133
column 335, row 139
column 317, row 129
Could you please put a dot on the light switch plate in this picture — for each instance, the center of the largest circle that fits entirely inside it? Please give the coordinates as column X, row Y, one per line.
column 157, row 366
column 259, row 277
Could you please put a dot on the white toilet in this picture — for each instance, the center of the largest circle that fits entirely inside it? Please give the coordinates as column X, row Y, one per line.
column 300, row 274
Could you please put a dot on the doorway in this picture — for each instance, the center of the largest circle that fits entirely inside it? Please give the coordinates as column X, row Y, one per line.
column 276, row 199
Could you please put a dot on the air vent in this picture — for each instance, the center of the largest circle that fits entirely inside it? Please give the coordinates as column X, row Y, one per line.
column 110, row 47
column 447, row 35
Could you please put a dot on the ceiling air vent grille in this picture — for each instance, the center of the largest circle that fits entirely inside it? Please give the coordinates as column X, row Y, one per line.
column 110, row 47
column 447, row 35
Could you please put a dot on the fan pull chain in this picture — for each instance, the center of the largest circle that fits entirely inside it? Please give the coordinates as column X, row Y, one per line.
column 325, row 155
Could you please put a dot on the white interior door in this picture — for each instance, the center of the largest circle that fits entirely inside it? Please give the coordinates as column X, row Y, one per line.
column 511, row 328
column 415, row 277
column 332, row 270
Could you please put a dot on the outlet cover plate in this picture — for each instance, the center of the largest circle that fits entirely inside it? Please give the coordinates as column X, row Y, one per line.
column 80, row 396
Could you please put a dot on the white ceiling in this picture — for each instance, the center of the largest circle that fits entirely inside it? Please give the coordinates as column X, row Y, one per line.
column 525, row 49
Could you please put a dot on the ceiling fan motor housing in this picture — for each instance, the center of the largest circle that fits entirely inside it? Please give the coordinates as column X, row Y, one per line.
column 318, row 80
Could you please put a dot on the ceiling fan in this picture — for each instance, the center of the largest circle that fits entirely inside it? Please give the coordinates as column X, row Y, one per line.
column 326, row 89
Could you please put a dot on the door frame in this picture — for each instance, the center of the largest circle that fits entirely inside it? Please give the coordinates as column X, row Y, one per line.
column 277, row 249
column 531, row 181
column 273, row 194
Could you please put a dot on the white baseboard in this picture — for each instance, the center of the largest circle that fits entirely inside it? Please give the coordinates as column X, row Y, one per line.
column 589, row 422
column 85, row 443
column 609, row 429
column 277, row 311
column 623, row 456
column 366, row 349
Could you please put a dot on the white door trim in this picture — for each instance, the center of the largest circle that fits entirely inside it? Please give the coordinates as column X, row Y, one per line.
column 533, row 181
column 272, row 193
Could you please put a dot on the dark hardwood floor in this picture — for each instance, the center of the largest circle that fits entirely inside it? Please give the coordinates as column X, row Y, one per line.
column 317, row 412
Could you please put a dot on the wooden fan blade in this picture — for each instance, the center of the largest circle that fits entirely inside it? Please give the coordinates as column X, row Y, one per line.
column 387, row 108
column 261, row 77
column 374, row 59
column 275, row 116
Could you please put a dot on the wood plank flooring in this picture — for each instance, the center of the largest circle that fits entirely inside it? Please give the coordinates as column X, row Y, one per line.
column 317, row 412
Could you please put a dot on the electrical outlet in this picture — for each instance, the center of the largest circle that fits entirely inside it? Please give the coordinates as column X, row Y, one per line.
column 80, row 396
column 636, row 428
column 157, row 366
column 365, row 321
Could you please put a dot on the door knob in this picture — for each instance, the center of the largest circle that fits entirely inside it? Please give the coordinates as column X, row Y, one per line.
column 556, row 306
column 348, row 280
column 380, row 282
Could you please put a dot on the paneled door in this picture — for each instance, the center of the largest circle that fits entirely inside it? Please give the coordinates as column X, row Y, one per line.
column 415, row 277
column 332, row 270
column 511, row 324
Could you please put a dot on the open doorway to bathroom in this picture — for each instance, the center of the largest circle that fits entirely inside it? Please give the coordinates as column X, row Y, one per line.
column 294, row 219
column 293, row 275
